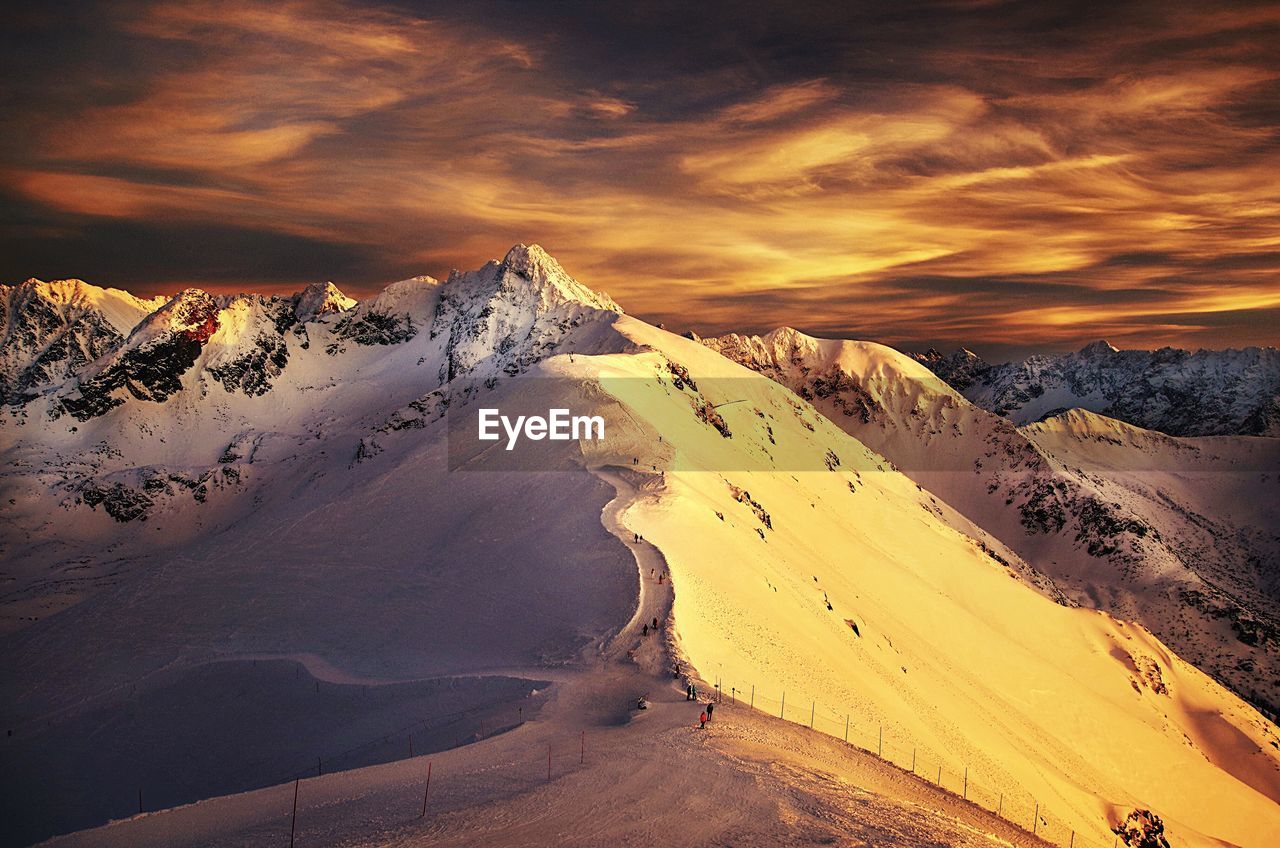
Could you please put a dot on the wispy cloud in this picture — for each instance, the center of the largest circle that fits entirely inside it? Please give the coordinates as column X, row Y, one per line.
column 1020, row 181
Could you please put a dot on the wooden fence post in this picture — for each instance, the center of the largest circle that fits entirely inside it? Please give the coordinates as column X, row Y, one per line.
column 1035, row 819
column 426, row 792
column 846, row 728
column 880, row 747
column 293, row 822
column 753, row 696
column 913, row 760
column 782, row 713
column 813, row 710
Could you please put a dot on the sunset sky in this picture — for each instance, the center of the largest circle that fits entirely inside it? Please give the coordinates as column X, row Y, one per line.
column 1006, row 176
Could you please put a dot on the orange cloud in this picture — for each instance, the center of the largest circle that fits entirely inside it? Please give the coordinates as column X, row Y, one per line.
column 990, row 205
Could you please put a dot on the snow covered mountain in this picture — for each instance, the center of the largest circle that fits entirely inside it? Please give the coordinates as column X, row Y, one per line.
column 49, row 331
column 240, row 482
column 1205, row 393
column 1176, row 533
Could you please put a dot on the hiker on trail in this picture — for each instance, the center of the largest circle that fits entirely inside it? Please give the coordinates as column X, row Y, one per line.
column 646, row 630
column 710, row 708
column 655, row 622
column 703, row 719
column 688, row 691
column 660, row 576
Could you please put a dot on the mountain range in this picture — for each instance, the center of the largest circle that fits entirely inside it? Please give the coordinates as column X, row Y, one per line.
column 200, row 486
column 1174, row 391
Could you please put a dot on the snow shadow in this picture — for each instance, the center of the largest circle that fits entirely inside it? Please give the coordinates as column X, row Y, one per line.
column 232, row 726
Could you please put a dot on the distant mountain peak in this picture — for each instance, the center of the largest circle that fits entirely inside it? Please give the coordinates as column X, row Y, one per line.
column 320, row 299
column 1173, row 391
column 192, row 313
column 1099, row 347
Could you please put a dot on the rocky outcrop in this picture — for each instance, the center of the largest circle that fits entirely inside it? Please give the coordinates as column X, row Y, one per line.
column 150, row 364
column 50, row 331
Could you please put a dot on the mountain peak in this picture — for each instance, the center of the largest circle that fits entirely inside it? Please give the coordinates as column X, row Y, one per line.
column 192, row 313
column 1097, row 348
column 531, row 258
column 320, row 299
column 537, row 275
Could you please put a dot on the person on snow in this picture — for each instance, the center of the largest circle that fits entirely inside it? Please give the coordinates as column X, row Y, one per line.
column 710, row 708
column 655, row 622
column 646, row 630
column 688, row 691
column 703, row 720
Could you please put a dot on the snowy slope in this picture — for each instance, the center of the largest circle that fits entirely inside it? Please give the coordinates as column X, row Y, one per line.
column 1178, row 534
column 1205, row 393
column 184, row 518
column 950, row 652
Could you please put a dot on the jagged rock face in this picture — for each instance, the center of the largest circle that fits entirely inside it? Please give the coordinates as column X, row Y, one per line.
column 260, row 351
column 152, row 361
column 48, row 332
column 320, row 299
column 961, row 368
column 1206, row 393
column 514, row 312
column 374, row 328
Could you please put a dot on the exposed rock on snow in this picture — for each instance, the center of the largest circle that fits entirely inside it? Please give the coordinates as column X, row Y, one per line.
column 50, row 331
column 318, row 300
column 150, row 364
column 1205, row 393
column 511, row 313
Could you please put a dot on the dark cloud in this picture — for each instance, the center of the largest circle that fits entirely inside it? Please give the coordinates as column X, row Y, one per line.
column 999, row 174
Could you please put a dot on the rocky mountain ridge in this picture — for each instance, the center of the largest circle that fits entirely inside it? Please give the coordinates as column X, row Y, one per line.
column 1175, row 391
